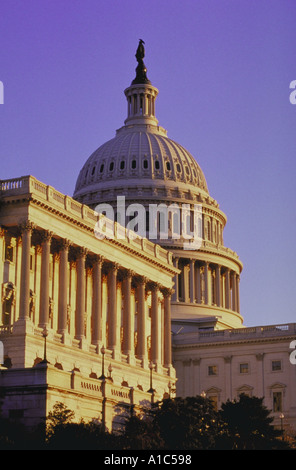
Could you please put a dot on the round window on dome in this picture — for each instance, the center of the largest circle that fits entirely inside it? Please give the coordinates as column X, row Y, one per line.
column 111, row 166
column 168, row 166
column 122, row 164
column 145, row 164
column 157, row 165
column 102, row 168
column 134, row 164
column 178, row 166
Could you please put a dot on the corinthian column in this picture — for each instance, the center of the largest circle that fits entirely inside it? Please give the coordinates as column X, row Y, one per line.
column 176, row 279
column 44, row 290
column 26, row 230
column 206, row 278
column 167, row 328
column 141, row 326
column 155, row 357
column 233, row 279
column 113, row 339
column 218, row 285
column 63, row 287
column 128, row 329
column 97, row 301
column 227, row 289
column 80, row 293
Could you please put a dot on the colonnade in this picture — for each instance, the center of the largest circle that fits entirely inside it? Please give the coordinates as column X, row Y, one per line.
column 112, row 325
column 207, row 283
column 141, row 101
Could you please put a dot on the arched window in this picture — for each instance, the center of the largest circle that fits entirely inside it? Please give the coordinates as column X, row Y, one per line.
column 111, row 166
column 134, row 164
column 157, row 165
column 122, row 164
column 145, row 164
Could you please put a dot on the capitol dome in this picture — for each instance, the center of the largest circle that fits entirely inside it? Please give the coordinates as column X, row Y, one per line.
column 139, row 152
column 146, row 167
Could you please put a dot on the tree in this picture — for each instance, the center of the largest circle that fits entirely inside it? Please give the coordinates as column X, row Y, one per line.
column 175, row 424
column 58, row 417
column 140, row 433
column 64, row 434
column 188, row 423
column 249, row 425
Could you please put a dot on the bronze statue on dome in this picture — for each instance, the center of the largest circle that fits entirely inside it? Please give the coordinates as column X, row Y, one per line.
column 141, row 68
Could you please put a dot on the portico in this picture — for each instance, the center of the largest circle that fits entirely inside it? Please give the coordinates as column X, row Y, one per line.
column 114, row 293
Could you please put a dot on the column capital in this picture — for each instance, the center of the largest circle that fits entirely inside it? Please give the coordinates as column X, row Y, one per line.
column 65, row 244
column 128, row 274
column 167, row 292
column 26, row 226
column 98, row 259
column 154, row 285
column 111, row 267
column 46, row 236
column 81, row 252
column 140, row 280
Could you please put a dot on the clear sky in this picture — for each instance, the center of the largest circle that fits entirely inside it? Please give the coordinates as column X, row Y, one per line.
column 223, row 70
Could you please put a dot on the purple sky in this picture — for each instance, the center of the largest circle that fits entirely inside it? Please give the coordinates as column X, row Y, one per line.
column 223, row 70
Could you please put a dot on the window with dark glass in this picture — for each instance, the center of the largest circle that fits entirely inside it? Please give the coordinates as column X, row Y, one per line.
column 244, row 368
column 276, row 365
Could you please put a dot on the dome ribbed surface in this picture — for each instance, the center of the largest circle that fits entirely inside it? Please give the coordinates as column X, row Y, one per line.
column 135, row 154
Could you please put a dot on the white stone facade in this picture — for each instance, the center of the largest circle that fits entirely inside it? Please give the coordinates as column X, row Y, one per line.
column 255, row 361
column 88, row 293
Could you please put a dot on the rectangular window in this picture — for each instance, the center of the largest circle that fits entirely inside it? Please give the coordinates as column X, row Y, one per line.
column 276, row 365
column 277, row 401
column 244, row 368
column 212, row 370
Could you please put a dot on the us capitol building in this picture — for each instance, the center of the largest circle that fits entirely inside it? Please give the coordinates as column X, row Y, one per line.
column 125, row 293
